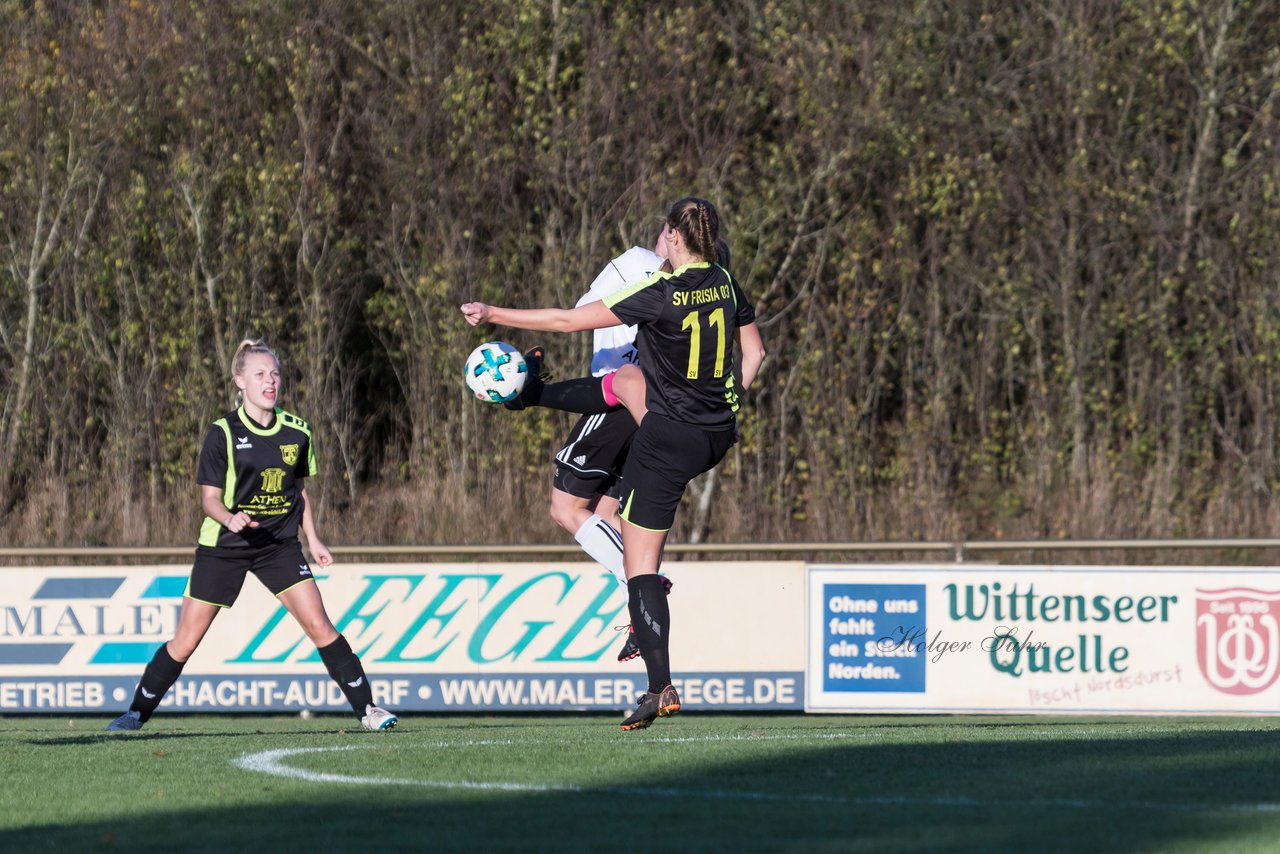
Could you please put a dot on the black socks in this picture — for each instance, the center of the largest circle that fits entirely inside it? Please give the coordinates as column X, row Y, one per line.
column 157, row 679
column 345, row 668
column 343, row 665
column 584, row 395
column 651, row 621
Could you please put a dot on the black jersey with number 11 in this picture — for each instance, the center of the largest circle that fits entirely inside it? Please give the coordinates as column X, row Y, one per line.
column 687, row 320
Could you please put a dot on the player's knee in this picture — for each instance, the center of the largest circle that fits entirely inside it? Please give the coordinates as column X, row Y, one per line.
column 563, row 516
column 628, row 381
column 320, row 631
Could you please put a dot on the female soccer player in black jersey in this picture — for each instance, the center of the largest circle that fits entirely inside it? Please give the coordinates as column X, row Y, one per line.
column 251, row 472
column 684, row 395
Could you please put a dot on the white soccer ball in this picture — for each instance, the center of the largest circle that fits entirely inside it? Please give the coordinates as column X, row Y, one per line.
column 496, row 372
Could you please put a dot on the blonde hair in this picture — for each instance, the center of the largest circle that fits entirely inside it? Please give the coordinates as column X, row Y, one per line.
column 249, row 347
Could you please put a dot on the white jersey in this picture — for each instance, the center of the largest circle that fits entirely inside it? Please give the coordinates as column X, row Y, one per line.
column 615, row 346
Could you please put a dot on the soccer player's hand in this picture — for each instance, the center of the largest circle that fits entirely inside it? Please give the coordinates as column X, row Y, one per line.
column 239, row 522
column 476, row 312
column 320, row 552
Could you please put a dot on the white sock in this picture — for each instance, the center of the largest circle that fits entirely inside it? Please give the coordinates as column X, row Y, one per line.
column 598, row 539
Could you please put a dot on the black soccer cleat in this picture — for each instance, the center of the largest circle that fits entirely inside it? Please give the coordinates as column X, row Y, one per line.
column 535, row 357
column 535, row 377
column 629, row 649
column 650, row 706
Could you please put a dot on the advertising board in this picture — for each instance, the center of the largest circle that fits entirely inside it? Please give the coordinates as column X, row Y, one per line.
column 778, row 635
column 432, row 637
column 1013, row 639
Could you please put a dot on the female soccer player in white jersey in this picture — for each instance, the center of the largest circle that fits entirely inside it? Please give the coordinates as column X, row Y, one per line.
column 588, row 466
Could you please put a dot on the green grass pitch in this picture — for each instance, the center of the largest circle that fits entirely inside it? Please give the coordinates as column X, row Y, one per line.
column 695, row 782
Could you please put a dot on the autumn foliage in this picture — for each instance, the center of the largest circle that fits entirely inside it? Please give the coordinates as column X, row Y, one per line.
column 1017, row 265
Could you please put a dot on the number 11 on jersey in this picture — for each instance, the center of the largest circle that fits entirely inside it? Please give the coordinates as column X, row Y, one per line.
column 693, row 323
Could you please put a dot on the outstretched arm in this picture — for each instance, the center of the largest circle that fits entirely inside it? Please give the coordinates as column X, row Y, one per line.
column 593, row 315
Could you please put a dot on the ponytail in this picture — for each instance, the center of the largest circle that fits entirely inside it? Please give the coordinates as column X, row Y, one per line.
column 698, row 223
column 248, row 347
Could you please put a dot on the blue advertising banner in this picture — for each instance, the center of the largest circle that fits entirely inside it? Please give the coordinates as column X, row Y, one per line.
column 856, row 660
column 432, row 637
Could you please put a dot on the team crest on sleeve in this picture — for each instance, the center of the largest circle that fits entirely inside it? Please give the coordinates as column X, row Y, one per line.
column 290, row 454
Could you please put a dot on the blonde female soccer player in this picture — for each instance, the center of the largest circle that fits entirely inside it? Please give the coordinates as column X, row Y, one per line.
column 251, row 476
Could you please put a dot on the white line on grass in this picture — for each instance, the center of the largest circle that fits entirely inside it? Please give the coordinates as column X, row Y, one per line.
column 272, row 762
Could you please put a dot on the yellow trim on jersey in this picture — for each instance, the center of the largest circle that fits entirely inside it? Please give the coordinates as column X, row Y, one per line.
column 730, row 394
column 303, row 427
column 312, row 465
column 732, row 290
column 262, row 431
column 210, row 530
column 610, row 300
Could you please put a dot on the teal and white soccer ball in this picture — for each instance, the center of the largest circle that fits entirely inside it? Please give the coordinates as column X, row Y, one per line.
column 496, row 372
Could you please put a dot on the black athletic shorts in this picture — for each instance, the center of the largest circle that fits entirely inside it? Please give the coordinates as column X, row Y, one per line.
column 218, row 574
column 591, row 462
column 665, row 455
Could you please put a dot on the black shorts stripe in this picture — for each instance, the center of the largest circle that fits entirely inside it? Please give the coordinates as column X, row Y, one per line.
column 597, row 445
column 588, row 425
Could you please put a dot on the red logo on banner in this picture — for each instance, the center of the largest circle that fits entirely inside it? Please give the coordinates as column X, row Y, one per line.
column 1238, row 638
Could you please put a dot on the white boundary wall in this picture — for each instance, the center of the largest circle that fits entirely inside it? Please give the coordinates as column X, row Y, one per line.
column 779, row 635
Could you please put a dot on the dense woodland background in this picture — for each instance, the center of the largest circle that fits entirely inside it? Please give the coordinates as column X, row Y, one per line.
column 1017, row 264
